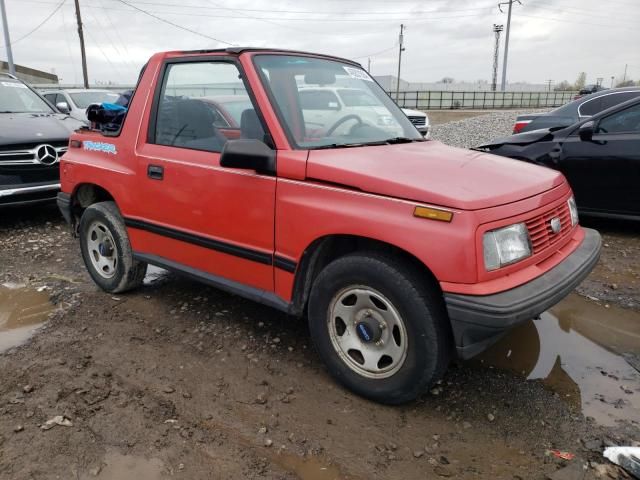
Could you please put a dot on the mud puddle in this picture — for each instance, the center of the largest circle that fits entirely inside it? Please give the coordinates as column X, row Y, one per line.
column 22, row 311
column 580, row 350
column 116, row 466
column 311, row 468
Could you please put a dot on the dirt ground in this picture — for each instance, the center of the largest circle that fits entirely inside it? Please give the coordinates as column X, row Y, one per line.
column 181, row 380
column 437, row 117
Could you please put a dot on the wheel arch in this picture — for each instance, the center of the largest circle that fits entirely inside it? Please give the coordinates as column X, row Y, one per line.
column 84, row 195
column 326, row 249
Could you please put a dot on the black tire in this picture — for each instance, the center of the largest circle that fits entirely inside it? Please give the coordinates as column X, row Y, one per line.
column 127, row 273
column 421, row 309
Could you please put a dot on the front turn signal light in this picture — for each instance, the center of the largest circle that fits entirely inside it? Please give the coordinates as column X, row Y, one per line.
column 433, row 214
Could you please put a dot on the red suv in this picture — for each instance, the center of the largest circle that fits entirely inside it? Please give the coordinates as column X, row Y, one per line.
column 401, row 252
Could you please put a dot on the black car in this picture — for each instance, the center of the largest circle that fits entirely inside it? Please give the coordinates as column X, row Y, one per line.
column 575, row 111
column 599, row 156
column 587, row 89
column 33, row 137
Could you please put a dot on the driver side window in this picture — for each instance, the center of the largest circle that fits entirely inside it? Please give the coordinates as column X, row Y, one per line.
column 202, row 105
column 626, row 121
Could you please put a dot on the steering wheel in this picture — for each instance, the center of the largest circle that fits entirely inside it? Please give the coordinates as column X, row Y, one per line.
column 342, row 120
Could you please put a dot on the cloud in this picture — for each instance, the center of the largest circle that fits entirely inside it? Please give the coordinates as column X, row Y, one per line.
column 550, row 39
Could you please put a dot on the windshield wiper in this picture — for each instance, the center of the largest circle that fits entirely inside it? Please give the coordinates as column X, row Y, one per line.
column 338, row 145
column 402, row 140
column 388, row 141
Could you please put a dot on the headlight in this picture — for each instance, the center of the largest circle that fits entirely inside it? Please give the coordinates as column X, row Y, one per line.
column 505, row 246
column 573, row 210
column 385, row 120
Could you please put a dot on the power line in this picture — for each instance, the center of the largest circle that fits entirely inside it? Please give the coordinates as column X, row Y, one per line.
column 66, row 37
column 308, row 12
column 410, row 18
column 374, row 54
column 578, row 23
column 37, row 27
column 274, row 23
column 168, row 22
column 571, row 11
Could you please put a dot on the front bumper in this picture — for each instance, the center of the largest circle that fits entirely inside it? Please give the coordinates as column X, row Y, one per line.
column 479, row 320
column 28, row 195
column 64, row 204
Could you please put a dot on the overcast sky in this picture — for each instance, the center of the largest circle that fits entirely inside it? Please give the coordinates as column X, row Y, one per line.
column 550, row 39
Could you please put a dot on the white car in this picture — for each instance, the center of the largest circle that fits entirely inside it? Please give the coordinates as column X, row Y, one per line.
column 323, row 106
column 419, row 119
column 74, row 102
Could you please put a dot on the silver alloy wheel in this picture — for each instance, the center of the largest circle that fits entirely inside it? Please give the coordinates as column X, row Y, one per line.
column 367, row 332
column 102, row 249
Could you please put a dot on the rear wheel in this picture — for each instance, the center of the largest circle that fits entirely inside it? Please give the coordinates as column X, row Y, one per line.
column 106, row 249
column 379, row 327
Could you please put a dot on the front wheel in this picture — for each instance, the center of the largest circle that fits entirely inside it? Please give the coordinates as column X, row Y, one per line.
column 106, row 249
column 379, row 327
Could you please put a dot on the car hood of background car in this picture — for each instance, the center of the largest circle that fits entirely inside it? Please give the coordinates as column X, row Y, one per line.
column 24, row 128
column 524, row 138
column 433, row 173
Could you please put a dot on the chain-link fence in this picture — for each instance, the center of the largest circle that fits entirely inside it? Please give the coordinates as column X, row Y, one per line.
column 448, row 100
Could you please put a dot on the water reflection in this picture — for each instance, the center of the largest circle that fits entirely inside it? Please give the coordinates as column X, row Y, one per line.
column 22, row 311
column 576, row 349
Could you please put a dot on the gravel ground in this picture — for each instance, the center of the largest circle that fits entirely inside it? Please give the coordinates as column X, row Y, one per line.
column 474, row 131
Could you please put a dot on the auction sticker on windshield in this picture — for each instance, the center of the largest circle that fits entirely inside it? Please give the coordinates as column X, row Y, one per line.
column 358, row 74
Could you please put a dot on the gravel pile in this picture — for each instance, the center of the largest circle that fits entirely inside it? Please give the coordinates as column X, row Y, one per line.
column 474, row 131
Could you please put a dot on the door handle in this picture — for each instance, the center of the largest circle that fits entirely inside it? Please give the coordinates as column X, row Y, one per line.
column 155, row 172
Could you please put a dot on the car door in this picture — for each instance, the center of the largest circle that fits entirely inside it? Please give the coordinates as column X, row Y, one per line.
column 604, row 172
column 191, row 211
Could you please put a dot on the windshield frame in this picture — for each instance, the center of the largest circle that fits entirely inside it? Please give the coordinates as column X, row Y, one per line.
column 44, row 100
column 264, row 83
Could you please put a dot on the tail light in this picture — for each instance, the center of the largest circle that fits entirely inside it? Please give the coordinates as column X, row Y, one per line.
column 520, row 124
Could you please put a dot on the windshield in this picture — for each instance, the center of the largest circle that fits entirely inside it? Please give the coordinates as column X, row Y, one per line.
column 357, row 98
column 84, row 99
column 327, row 103
column 16, row 97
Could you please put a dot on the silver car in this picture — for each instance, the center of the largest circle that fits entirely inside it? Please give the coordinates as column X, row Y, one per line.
column 75, row 101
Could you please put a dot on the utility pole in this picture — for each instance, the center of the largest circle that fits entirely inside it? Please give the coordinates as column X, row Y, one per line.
column 624, row 77
column 85, row 76
column 400, row 50
column 369, row 65
column 494, row 79
column 549, row 83
column 7, row 40
column 506, row 41
column 612, row 79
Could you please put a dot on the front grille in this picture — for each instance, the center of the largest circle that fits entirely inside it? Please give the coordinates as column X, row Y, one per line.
column 542, row 237
column 10, row 179
column 418, row 121
column 25, row 153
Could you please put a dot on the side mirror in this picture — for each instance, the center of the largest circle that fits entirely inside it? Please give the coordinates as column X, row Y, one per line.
column 249, row 154
column 63, row 107
column 586, row 131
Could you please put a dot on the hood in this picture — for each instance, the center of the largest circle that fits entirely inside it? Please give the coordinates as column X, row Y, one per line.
column 434, row 173
column 20, row 128
column 415, row 113
column 524, row 138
